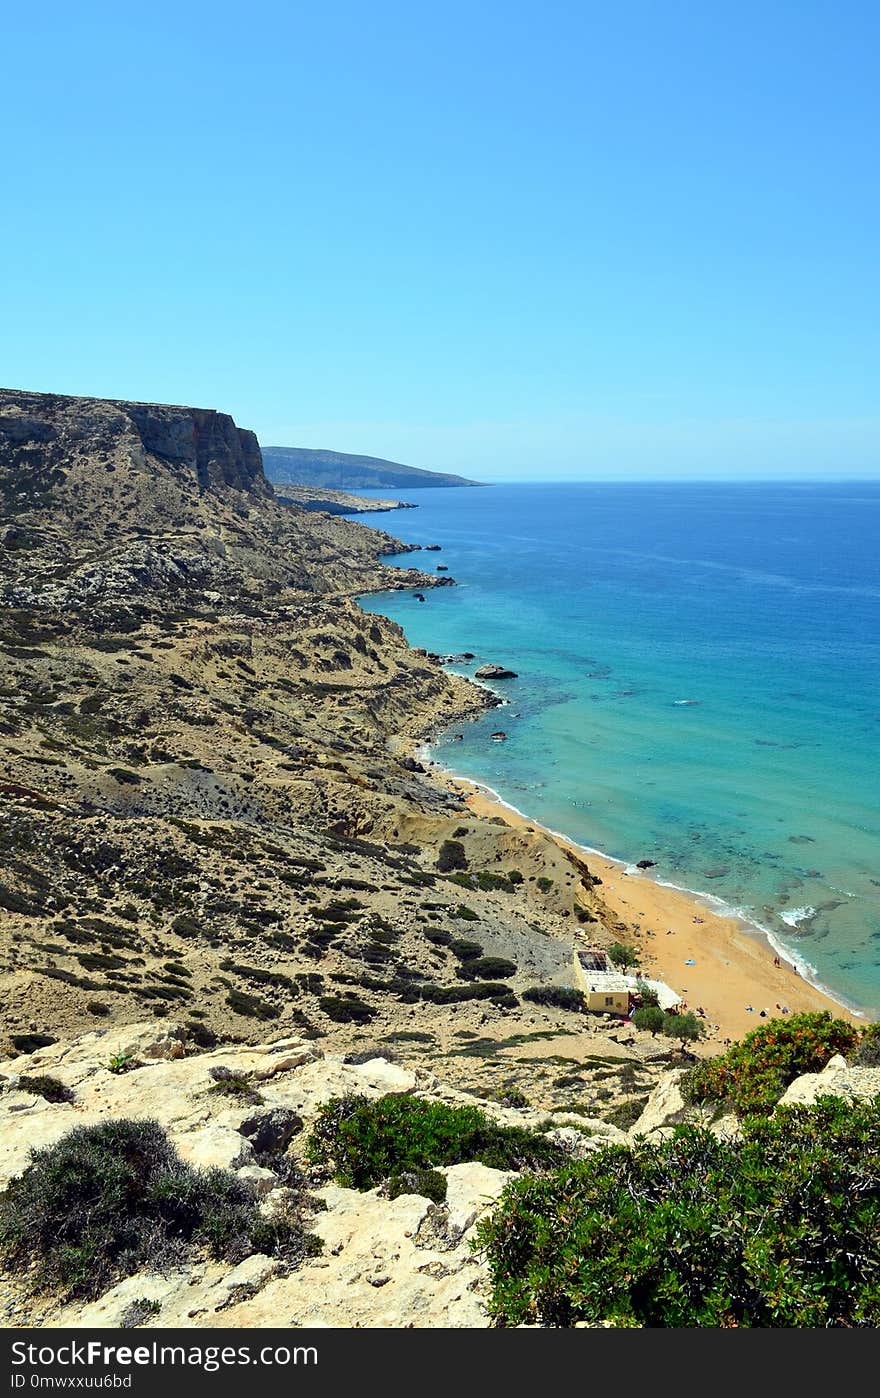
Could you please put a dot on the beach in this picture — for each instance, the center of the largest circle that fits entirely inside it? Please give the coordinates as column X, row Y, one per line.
column 715, row 963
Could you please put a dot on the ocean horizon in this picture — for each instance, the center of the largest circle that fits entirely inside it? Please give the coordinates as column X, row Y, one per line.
column 697, row 684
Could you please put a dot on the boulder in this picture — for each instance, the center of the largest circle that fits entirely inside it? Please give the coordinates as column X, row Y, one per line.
column 835, row 1080
column 271, row 1132
column 494, row 672
column 664, row 1108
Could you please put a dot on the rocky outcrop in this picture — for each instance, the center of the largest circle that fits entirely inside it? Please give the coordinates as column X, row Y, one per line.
column 402, row 1262
column 837, row 1079
column 495, row 672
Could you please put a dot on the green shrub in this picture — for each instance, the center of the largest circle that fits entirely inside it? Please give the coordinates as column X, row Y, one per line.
column 561, row 997
column 430, row 1184
column 109, row 1199
column 465, row 949
column 451, row 856
column 627, row 1113
column 238, row 1087
column 467, row 914
column 647, row 994
column 251, row 1005
column 754, row 1073
column 365, row 1142
column 650, row 1018
column 622, row 955
column 489, row 968
column 544, row 883
column 687, row 1028
column 779, row 1228
column 346, row 1009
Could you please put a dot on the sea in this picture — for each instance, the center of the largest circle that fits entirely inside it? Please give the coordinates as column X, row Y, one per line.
column 698, row 684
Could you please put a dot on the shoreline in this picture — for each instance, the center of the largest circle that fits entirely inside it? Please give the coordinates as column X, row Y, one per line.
column 717, row 962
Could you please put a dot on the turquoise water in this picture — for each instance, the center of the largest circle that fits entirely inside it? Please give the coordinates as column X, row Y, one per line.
column 698, row 685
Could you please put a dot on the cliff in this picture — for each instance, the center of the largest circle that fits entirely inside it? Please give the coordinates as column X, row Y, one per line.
column 115, row 507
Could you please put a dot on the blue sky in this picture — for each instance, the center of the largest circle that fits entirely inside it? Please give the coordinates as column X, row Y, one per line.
column 516, row 240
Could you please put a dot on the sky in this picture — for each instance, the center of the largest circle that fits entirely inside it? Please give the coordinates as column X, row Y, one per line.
column 514, row 240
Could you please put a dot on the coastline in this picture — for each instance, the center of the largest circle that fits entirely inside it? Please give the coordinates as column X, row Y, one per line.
column 716, row 962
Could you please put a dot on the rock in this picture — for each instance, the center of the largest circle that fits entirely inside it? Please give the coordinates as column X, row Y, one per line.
column 646, row 864
column 664, row 1108
column 576, row 1143
column 499, row 737
column 494, row 672
column 432, row 548
column 263, row 1181
column 835, row 1080
column 271, row 1132
column 470, row 1189
column 442, row 568
column 170, row 1044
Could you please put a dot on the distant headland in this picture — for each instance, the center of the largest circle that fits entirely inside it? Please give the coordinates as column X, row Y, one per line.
column 341, row 471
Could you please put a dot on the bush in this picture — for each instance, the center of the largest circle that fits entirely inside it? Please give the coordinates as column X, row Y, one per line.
column 561, row 997
column 51, row 1089
column 647, row 994
column 619, row 954
column 430, row 1184
column 107, row 1200
column 754, row 1073
column 489, row 967
column 451, row 856
column 650, row 1018
column 465, row 949
column 251, row 1005
column 239, row 1087
column 867, row 1053
column 346, row 1009
column 364, row 1142
column 779, row 1228
column 686, row 1028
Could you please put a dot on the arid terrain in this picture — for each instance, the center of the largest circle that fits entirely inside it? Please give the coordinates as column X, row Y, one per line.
column 211, row 807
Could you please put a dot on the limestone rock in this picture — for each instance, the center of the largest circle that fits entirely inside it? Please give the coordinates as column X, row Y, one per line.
column 665, row 1107
column 835, row 1080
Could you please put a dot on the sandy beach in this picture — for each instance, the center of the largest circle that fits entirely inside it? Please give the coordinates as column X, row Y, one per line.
column 715, row 963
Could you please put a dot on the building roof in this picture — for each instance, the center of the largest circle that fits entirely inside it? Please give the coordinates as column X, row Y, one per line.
column 592, row 960
column 613, row 982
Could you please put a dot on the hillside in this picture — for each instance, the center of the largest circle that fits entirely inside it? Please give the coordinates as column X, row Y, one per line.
column 308, row 466
column 231, row 897
column 206, row 753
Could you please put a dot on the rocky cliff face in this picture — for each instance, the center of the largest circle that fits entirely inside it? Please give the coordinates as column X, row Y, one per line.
column 116, row 508
column 53, row 446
